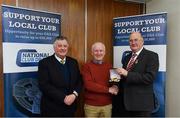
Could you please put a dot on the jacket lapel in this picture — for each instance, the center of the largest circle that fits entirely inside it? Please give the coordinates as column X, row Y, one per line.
column 128, row 57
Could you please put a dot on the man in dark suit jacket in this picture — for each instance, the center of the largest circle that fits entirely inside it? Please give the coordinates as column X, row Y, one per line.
column 59, row 81
column 135, row 97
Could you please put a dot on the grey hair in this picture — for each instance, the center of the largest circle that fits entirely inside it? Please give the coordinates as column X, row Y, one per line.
column 97, row 43
column 59, row 38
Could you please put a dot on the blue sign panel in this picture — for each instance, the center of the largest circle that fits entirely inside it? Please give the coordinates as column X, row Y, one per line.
column 152, row 27
column 28, row 36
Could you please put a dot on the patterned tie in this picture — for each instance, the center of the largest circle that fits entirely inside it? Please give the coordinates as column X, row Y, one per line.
column 62, row 61
column 131, row 62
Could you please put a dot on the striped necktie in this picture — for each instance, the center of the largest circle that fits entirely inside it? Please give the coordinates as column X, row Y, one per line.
column 131, row 62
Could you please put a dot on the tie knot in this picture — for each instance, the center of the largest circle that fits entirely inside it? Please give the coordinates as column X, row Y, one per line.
column 62, row 61
column 134, row 55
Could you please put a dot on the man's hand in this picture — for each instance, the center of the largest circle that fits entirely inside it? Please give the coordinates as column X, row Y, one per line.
column 69, row 99
column 122, row 71
column 113, row 90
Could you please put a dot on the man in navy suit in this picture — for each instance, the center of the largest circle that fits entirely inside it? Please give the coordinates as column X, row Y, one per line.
column 59, row 81
column 135, row 97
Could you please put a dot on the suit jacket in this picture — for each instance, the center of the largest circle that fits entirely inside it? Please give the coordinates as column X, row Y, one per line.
column 55, row 87
column 138, row 85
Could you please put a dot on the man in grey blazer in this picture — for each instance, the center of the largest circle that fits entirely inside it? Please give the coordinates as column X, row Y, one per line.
column 59, row 81
column 140, row 66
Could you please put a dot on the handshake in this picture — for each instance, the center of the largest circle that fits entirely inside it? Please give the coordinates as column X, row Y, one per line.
column 113, row 90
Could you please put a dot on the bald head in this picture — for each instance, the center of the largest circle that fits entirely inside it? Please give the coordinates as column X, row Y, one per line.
column 97, row 44
column 137, row 34
column 98, row 51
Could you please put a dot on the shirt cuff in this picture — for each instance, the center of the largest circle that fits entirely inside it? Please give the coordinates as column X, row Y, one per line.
column 75, row 93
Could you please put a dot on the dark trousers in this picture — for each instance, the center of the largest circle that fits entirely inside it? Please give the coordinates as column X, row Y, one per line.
column 118, row 109
column 50, row 110
column 57, row 114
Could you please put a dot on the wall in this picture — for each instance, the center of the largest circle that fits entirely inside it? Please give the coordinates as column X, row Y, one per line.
column 173, row 55
column 83, row 22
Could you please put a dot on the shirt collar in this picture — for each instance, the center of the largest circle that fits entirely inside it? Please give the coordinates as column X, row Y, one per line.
column 59, row 59
column 138, row 52
column 97, row 61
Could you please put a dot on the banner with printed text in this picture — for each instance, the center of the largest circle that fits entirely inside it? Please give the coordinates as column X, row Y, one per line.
column 154, row 31
column 27, row 38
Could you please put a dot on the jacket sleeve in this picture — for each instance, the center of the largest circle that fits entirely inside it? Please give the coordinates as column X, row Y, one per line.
column 79, row 82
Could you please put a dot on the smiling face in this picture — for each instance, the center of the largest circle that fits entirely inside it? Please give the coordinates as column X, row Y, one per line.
column 61, row 48
column 136, row 41
column 98, row 51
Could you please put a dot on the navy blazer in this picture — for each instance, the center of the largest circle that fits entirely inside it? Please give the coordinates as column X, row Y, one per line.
column 54, row 86
column 138, row 85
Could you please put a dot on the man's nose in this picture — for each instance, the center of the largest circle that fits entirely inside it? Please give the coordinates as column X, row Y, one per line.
column 63, row 47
